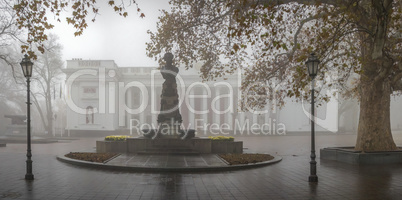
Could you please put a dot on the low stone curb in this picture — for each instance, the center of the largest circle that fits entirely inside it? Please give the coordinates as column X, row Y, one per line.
column 351, row 156
column 166, row 169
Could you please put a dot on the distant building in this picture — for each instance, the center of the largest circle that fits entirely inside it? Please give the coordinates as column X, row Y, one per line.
column 103, row 98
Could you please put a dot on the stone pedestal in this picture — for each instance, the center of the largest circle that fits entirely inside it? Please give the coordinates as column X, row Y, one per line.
column 226, row 146
column 111, row 146
column 16, row 130
column 18, row 126
column 170, row 145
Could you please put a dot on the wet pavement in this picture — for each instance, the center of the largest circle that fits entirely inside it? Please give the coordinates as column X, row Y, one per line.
column 284, row 180
column 167, row 160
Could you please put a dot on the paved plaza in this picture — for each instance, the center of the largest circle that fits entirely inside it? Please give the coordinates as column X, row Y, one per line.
column 284, row 180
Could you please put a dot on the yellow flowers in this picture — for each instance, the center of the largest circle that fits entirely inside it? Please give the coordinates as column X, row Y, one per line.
column 116, row 137
column 222, row 138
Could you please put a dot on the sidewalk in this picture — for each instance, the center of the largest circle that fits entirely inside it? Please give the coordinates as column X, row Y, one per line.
column 284, row 180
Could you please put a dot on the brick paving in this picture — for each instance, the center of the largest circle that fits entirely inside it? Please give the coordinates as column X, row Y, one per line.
column 167, row 160
column 284, row 180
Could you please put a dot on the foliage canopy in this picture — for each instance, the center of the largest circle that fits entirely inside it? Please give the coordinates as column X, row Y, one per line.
column 271, row 40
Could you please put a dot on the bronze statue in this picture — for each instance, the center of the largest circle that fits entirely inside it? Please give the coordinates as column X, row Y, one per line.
column 169, row 118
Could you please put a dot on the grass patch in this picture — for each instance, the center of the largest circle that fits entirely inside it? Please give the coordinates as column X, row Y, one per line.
column 91, row 157
column 246, row 158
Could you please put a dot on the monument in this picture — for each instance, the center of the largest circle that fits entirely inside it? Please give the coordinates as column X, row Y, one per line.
column 169, row 118
column 18, row 126
column 169, row 137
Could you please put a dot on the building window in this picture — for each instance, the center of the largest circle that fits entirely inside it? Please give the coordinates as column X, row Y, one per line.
column 89, row 90
column 90, row 115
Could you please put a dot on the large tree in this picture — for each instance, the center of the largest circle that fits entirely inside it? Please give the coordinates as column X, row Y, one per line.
column 271, row 39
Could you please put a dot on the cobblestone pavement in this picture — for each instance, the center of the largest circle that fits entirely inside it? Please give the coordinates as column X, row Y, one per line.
column 167, row 160
column 284, row 180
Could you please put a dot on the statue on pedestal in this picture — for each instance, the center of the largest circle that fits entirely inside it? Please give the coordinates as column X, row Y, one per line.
column 169, row 118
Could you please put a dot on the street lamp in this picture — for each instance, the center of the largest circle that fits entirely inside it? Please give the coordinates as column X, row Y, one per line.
column 26, row 66
column 312, row 67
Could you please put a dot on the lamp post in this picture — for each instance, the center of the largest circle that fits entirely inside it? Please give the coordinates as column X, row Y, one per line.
column 26, row 66
column 312, row 67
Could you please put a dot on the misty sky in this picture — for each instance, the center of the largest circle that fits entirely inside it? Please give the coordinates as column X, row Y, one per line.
column 113, row 37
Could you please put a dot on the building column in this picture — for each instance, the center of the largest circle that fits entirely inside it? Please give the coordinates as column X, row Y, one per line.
column 217, row 107
column 142, row 114
column 241, row 121
column 267, row 115
column 229, row 114
column 255, row 119
column 192, row 114
column 154, row 105
column 129, row 103
column 205, row 108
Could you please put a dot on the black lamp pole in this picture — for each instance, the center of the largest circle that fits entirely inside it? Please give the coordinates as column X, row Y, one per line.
column 312, row 66
column 313, row 164
column 26, row 65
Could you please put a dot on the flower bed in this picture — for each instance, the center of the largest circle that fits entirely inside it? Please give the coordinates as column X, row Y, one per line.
column 117, row 137
column 91, row 157
column 221, row 138
column 238, row 159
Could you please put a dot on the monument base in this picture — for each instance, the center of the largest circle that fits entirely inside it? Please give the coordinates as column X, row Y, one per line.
column 170, row 145
column 16, row 130
column 351, row 156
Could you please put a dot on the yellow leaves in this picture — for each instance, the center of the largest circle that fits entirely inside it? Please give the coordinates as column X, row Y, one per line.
column 117, row 137
column 284, row 47
column 236, row 47
column 221, row 138
column 41, row 49
column 117, row 9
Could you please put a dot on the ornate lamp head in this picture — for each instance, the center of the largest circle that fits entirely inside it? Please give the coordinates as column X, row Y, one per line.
column 26, row 66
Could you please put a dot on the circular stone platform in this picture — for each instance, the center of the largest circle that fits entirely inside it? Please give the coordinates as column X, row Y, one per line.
column 167, row 163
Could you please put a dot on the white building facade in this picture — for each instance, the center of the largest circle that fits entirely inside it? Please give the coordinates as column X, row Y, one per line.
column 103, row 98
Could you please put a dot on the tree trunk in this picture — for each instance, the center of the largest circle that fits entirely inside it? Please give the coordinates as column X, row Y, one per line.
column 374, row 132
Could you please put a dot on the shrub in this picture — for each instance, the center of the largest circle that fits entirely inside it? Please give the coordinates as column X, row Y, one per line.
column 116, row 137
column 222, row 138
